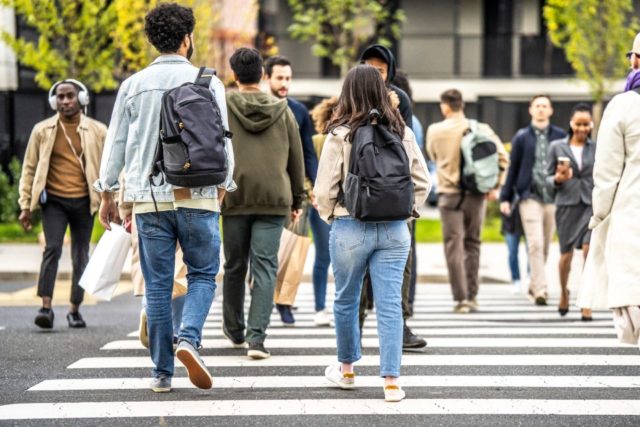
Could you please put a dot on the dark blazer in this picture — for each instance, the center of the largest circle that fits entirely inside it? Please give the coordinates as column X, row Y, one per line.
column 580, row 187
column 301, row 114
column 523, row 156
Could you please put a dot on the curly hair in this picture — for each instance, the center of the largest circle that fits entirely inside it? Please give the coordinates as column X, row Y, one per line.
column 321, row 113
column 167, row 24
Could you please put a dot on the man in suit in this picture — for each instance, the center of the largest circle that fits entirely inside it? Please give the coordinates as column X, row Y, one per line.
column 461, row 212
column 526, row 184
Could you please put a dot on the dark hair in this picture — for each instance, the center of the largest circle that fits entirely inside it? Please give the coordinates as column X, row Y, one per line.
column 452, row 98
column 580, row 107
column 167, row 24
column 362, row 91
column 402, row 81
column 247, row 64
column 273, row 61
column 539, row 95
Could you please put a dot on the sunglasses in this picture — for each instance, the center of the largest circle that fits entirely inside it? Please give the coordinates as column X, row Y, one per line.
column 628, row 55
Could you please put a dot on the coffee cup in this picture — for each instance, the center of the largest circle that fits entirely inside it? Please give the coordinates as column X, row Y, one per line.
column 564, row 160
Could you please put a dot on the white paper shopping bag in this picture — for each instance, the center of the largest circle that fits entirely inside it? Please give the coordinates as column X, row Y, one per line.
column 102, row 274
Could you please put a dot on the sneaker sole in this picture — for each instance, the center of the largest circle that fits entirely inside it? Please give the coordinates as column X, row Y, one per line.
column 198, row 373
column 394, row 398
column 342, row 385
column 257, row 355
column 161, row 389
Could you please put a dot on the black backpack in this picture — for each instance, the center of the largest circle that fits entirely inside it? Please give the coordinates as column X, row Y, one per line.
column 191, row 146
column 378, row 186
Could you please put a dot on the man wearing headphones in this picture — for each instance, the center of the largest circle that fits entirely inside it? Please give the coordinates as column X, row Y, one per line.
column 61, row 162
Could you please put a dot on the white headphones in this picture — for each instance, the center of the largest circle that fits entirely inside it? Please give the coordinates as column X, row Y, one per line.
column 83, row 93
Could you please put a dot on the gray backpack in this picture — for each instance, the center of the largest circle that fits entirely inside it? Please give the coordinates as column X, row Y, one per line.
column 479, row 169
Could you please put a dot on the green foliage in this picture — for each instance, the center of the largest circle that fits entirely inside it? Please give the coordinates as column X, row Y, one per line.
column 594, row 34
column 9, row 192
column 340, row 28
column 75, row 40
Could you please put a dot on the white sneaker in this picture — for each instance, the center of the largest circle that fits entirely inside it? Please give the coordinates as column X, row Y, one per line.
column 322, row 318
column 393, row 393
column 517, row 288
column 344, row 381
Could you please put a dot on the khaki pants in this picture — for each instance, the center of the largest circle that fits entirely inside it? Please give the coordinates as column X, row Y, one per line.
column 461, row 229
column 538, row 221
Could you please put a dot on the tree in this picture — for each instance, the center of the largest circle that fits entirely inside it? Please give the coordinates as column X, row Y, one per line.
column 74, row 40
column 594, row 35
column 340, row 28
column 99, row 42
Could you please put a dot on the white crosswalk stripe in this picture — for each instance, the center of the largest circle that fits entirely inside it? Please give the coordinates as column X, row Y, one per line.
column 509, row 344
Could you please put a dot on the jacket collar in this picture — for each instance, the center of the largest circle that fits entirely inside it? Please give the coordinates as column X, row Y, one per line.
column 566, row 140
column 170, row 59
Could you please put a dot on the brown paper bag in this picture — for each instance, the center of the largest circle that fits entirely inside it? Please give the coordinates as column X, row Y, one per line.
column 291, row 259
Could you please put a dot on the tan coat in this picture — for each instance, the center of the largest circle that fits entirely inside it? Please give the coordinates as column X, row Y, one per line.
column 443, row 146
column 612, row 269
column 334, row 166
column 36, row 159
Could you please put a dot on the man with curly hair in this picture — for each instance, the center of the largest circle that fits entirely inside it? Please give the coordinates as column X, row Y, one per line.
column 187, row 216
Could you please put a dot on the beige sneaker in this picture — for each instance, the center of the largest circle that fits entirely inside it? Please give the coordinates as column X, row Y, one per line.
column 462, row 307
column 393, row 393
column 143, row 333
column 473, row 304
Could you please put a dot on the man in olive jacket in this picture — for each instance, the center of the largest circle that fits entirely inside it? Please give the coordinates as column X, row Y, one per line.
column 269, row 172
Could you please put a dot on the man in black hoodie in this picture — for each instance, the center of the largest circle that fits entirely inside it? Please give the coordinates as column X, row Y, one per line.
column 383, row 60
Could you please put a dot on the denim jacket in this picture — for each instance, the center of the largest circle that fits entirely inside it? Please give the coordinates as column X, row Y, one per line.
column 133, row 133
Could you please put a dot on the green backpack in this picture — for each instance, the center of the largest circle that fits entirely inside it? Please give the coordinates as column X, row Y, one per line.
column 479, row 169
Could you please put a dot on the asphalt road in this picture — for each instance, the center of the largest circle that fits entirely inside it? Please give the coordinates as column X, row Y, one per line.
column 510, row 364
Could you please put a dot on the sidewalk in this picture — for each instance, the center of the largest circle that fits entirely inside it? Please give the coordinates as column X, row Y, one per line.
column 22, row 262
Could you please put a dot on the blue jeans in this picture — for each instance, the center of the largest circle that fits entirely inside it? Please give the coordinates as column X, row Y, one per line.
column 177, row 304
column 320, row 230
column 384, row 248
column 199, row 237
column 513, row 244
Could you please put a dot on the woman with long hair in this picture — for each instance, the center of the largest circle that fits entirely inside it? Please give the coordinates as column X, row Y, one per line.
column 570, row 173
column 356, row 245
column 321, row 114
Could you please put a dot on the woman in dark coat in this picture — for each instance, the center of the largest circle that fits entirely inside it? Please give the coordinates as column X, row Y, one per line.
column 570, row 174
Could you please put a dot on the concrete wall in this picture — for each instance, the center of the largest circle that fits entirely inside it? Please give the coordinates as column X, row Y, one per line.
column 8, row 69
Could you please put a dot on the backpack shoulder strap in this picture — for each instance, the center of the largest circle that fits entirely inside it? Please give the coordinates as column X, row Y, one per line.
column 204, row 76
column 473, row 125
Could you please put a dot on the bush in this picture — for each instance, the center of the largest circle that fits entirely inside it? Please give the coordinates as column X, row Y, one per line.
column 9, row 208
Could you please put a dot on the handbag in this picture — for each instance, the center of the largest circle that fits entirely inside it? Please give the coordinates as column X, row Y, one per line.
column 102, row 274
column 292, row 256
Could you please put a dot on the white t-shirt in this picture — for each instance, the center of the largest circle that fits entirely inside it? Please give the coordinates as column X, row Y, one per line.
column 577, row 153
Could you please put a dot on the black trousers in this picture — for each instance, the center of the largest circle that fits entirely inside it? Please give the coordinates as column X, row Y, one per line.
column 57, row 213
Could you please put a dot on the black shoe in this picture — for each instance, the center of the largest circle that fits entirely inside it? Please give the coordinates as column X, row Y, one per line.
column 563, row 311
column 75, row 320
column 235, row 342
column 257, row 351
column 586, row 318
column 286, row 315
column 44, row 319
column 411, row 340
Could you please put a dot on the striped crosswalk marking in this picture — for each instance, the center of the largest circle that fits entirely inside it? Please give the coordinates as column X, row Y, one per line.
column 510, row 344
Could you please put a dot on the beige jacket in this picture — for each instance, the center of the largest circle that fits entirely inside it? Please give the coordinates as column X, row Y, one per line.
column 610, row 277
column 334, row 165
column 443, row 147
column 36, row 159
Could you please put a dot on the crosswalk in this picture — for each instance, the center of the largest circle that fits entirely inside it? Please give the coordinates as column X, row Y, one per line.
column 510, row 358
